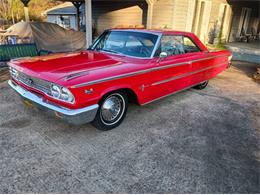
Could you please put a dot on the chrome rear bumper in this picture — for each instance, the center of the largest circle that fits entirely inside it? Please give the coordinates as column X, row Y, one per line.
column 72, row 116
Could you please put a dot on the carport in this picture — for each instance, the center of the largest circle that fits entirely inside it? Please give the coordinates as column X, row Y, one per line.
column 244, row 32
column 100, row 14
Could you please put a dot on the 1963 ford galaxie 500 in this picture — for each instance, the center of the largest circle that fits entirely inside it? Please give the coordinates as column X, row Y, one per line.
column 121, row 66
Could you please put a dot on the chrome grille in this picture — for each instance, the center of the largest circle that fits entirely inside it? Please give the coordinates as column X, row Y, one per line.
column 32, row 82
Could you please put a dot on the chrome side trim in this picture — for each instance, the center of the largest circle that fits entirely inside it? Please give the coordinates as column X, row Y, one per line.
column 185, row 75
column 170, row 94
column 141, row 72
column 40, row 101
column 110, row 78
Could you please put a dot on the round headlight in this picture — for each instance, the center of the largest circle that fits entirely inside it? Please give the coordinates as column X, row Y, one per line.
column 14, row 73
column 55, row 91
column 62, row 93
column 67, row 95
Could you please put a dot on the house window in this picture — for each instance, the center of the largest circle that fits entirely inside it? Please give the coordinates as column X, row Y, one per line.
column 65, row 21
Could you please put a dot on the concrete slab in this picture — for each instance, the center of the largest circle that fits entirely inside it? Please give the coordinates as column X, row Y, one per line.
column 192, row 142
column 249, row 52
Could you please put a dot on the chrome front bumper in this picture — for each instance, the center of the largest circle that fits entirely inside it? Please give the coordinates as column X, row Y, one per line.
column 72, row 116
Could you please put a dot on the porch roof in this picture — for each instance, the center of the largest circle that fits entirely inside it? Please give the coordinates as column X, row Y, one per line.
column 65, row 8
column 88, row 12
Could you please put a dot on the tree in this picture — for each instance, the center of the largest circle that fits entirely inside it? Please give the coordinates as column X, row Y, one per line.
column 4, row 9
column 37, row 7
column 12, row 10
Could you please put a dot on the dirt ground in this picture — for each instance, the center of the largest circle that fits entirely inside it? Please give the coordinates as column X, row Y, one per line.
column 4, row 74
column 191, row 142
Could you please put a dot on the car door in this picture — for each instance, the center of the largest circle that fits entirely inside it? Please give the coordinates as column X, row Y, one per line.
column 200, row 61
column 173, row 73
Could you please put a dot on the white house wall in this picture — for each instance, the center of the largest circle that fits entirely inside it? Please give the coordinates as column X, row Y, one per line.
column 163, row 14
column 112, row 14
column 183, row 14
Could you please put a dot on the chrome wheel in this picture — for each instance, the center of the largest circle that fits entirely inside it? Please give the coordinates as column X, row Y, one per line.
column 112, row 109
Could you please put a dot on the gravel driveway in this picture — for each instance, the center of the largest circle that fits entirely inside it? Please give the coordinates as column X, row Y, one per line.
column 192, row 142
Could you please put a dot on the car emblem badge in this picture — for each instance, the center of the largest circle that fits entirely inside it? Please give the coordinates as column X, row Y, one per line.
column 89, row 91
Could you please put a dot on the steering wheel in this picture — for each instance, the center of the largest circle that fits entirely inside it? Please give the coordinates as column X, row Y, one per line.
column 145, row 51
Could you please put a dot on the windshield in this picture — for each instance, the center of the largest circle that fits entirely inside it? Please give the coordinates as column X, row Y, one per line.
column 136, row 44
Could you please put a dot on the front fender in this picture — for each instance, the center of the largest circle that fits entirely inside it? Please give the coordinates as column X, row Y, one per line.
column 98, row 91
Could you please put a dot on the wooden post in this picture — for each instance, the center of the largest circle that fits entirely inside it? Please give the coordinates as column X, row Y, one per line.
column 77, row 4
column 149, row 13
column 26, row 12
column 88, row 14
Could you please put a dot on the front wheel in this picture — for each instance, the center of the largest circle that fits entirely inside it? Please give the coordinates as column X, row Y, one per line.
column 112, row 111
column 201, row 85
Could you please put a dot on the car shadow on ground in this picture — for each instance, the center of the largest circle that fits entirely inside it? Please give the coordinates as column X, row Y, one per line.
column 247, row 68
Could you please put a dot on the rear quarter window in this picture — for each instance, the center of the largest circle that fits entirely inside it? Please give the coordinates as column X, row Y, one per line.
column 189, row 45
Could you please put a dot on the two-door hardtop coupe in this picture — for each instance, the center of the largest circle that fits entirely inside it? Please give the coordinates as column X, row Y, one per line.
column 122, row 65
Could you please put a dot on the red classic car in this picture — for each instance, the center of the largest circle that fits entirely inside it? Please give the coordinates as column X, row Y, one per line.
column 121, row 66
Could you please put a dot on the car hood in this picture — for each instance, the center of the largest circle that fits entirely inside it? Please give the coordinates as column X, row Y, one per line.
column 64, row 65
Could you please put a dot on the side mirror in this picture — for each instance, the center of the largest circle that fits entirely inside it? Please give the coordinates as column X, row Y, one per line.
column 162, row 56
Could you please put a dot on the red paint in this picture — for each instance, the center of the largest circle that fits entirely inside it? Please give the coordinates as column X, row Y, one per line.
column 70, row 69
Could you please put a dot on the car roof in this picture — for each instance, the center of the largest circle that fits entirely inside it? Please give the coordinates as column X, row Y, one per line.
column 153, row 31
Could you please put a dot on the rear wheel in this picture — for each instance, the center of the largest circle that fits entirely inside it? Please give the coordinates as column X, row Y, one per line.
column 202, row 85
column 112, row 111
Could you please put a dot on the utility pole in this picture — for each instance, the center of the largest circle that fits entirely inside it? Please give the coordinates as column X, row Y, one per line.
column 26, row 12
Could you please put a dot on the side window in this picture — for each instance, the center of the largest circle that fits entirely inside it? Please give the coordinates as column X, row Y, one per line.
column 176, row 44
column 189, row 45
column 172, row 45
